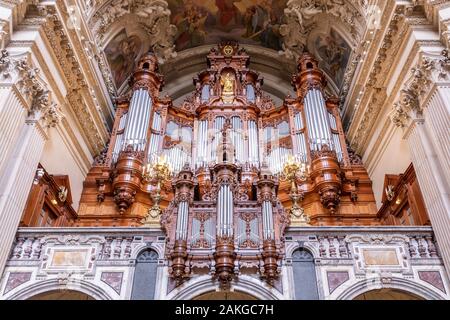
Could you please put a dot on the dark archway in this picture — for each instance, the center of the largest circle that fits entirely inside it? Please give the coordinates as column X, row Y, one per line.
column 62, row 295
column 305, row 282
column 145, row 276
column 387, row 294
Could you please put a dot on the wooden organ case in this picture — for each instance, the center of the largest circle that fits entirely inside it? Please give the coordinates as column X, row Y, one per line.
column 226, row 207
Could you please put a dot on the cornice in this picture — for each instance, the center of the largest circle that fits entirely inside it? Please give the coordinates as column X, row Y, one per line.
column 364, row 70
column 86, row 63
column 92, row 125
column 362, row 125
column 364, row 118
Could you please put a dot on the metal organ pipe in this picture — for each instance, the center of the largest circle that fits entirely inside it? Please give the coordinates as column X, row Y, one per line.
column 155, row 138
column 202, row 143
column 318, row 127
column 218, row 126
column 336, row 141
column 237, row 138
column 267, row 213
column 182, row 221
column 138, row 120
column 253, row 142
column 309, row 122
column 318, row 119
column 225, row 211
column 324, row 118
column 119, row 138
column 325, row 124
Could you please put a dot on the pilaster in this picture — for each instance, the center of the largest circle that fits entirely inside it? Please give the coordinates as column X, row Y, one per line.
column 423, row 112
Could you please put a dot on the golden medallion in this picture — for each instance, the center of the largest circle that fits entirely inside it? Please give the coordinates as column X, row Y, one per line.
column 228, row 50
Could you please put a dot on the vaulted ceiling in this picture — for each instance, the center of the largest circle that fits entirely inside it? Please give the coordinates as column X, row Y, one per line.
column 274, row 32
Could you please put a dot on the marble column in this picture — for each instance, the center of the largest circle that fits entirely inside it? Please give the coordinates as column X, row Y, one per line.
column 26, row 112
column 16, row 181
column 423, row 111
column 12, row 115
column 432, row 183
column 437, row 122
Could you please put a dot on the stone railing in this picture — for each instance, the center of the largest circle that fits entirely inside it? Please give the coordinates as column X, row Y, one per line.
column 346, row 261
column 106, row 243
column 336, row 242
column 119, row 243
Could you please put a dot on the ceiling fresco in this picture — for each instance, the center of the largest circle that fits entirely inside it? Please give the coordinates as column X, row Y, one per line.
column 201, row 22
column 334, row 54
column 122, row 52
column 330, row 29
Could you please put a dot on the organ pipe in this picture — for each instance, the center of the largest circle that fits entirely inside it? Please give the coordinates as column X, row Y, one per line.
column 253, row 142
column 316, row 116
column 177, row 158
column 119, row 138
column 202, row 143
column 218, row 126
column 182, row 221
column 225, row 212
column 267, row 213
column 138, row 120
column 155, row 138
column 237, row 138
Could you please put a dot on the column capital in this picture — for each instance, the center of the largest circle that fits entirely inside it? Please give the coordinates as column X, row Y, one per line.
column 19, row 71
column 431, row 72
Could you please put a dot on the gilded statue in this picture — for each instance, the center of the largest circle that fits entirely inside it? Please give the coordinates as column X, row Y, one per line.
column 227, row 83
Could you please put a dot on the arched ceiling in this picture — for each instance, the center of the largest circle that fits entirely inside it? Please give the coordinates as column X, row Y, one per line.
column 274, row 32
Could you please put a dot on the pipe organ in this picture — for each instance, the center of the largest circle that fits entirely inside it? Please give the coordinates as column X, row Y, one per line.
column 226, row 205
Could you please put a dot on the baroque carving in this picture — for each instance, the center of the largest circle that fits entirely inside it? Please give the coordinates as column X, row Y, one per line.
column 32, row 88
column 124, row 198
column 430, row 69
column 152, row 15
column 301, row 19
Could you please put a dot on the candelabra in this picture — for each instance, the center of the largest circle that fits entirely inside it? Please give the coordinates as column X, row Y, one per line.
column 294, row 170
column 155, row 173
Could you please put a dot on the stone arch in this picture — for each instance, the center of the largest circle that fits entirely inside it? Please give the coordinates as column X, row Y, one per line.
column 405, row 285
column 204, row 284
column 294, row 246
column 145, row 246
column 82, row 286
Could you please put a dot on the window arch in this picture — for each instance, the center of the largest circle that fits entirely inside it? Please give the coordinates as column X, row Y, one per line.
column 145, row 275
column 305, row 282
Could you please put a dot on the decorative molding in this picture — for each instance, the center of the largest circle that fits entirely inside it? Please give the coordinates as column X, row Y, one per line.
column 31, row 87
column 429, row 70
column 151, row 15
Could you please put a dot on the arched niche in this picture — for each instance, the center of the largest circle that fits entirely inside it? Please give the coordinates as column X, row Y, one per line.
column 304, row 272
column 62, row 295
column 387, row 294
column 144, row 280
column 225, row 295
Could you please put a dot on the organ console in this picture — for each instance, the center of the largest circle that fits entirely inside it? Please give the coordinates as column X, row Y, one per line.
column 225, row 206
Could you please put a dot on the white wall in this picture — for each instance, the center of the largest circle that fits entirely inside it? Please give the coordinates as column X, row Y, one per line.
column 393, row 157
column 58, row 159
